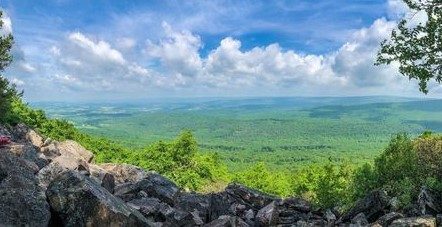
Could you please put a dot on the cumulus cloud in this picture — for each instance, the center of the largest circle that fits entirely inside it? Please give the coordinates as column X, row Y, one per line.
column 87, row 64
column 229, row 67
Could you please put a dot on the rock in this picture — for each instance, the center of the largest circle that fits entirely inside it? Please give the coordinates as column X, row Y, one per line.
column 428, row 203
column 227, row 221
column 102, row 177
column 198, row 204
column 387, row 219
column 73, row 149
column 157, row 211
column 34, row 138
column 154, row 185
column 19, row 132
column 249, row 196
column 78, row 201
column 50, row 150
column 439, row 220
column 29, row 153
column 59, row 166
column 359, row 220
column 297, row 204
column 330, row 217
column 124, row 173
column 426, row 221
column 22, row 201
column 373, row 206
column 268, row 215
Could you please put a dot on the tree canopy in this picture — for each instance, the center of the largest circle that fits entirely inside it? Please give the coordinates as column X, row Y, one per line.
column 417, row 49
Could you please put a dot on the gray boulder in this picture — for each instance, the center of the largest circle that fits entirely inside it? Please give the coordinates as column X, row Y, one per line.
column 373, row 205
column 248, row 196
column 59, row 166
column 76, row 200
column 102, row 177
column 71, row 148
column 124, row 173
column 154, row 185
column 22, row 201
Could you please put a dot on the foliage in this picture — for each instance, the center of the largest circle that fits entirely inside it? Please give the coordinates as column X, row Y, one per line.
column 417, row 49
column 260, row 177
column 7, row 91
column 403, row 168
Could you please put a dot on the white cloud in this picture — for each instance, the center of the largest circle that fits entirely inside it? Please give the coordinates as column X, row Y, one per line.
column 125, row 43
column 27, row 67
column 100, row 49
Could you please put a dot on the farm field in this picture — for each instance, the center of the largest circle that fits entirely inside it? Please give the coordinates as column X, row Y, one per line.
column 283, row 132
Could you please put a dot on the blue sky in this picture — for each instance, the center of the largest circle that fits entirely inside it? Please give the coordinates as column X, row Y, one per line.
column 92, row 50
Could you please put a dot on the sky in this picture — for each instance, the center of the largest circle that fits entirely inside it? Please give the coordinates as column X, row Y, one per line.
column 81, row 50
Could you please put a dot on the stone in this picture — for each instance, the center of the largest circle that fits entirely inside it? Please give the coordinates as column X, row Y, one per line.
column 373, row 205
column 156, row 211
column 22, row 201
column 249, row 196
column 73, row 149
column 359, row 220
column 77, row 200
column 428, row 202
column 59, row 166
column 330, row 217
column 268, row 215
column 154, row 185
column 124, row 173
column 227, row 221
column 425, row 221
column 387, row 219
column 50, row 150
column 102, row 177
column 196, row 203
column 34, row 138
column 29, row 153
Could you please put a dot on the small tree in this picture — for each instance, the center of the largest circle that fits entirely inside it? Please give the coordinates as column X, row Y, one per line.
column 7, row 91
column 418, row 49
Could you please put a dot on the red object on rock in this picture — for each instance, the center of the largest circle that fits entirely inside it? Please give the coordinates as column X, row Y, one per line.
column 5, row 140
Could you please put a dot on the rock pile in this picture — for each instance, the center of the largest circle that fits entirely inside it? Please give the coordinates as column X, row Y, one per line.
column 50, row 183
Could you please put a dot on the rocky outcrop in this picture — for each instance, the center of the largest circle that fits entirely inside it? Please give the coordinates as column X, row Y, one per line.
column 76, row 200
column 22, row 200
column 49, row 183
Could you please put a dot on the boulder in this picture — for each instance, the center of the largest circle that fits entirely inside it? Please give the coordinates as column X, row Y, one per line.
column 268, row 215
column 59, row 166
column 102, row 177
column 73, row 149
column 359, row 220
column 227, row 221
column 428, row 202
column 156, row 211
column 248, row 196
column 76, row 200
column 124, row 173
column 22, row 201
column 330, row 217
column 374, row 205
column 29, row 153
column 34, row 138
column 50, row 150
column 154, row 185
column 425, row 221
column 197, row 204
column 387, row 219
